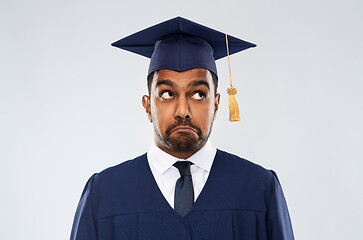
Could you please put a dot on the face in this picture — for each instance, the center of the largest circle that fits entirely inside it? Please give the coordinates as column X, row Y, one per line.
column 182, row 107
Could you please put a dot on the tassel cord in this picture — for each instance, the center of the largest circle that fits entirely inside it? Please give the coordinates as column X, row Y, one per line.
column 232, row 91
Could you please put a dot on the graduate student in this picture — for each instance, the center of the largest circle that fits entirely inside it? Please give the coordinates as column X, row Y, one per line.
column 183, row 187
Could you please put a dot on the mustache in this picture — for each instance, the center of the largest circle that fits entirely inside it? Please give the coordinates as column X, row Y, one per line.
column 182, row 123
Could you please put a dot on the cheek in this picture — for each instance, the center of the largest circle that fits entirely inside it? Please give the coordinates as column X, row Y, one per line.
column 162, row 115
column 203, row 115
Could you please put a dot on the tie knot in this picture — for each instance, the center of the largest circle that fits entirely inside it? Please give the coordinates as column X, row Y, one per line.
column 183, row 167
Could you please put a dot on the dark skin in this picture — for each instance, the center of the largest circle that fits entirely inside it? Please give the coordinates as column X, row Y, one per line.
column 182, row 107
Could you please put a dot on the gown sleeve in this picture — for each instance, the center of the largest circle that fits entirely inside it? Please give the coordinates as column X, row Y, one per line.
column 278, row 219
column 84, row 224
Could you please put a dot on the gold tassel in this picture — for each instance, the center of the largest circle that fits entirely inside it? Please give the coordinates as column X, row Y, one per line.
column 232, row 91
column 233, row 106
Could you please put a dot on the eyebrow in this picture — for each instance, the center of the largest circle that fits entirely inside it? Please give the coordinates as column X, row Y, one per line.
column 199, row 82
column 165, row 82
column 192, row 84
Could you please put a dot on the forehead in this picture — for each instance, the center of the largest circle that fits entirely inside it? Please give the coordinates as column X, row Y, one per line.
column 183, row 78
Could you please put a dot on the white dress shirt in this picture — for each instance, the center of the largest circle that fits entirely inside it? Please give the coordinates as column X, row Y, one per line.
column 166, row 175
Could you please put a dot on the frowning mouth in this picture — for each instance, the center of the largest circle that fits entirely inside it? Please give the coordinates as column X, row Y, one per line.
column 184, row 129
column 183, row 126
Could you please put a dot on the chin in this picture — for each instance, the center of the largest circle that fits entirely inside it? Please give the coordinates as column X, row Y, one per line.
column 184, row 144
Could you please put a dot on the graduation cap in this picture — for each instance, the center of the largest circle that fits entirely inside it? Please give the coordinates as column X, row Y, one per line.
column 179, row 44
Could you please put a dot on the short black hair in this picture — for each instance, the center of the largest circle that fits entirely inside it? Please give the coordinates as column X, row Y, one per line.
column 151, row 77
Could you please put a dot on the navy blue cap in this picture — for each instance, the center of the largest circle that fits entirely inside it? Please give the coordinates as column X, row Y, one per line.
column 179, row 44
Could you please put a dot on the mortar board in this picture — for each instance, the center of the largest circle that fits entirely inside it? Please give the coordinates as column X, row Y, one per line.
column 179, row 44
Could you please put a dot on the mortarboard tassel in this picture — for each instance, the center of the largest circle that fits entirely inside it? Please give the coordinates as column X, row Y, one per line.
column 232, row 91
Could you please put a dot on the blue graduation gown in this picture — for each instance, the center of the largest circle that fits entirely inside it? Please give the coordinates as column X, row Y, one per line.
column 240, row 200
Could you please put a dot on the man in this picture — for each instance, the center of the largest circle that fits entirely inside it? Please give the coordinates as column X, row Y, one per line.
column 183, row 188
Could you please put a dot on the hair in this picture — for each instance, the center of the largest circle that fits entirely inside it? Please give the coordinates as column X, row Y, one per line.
column 151, row 77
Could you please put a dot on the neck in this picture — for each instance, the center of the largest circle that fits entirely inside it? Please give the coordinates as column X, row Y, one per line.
column 180, row 155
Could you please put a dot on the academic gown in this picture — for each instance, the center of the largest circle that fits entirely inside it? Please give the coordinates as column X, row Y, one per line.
column 240, row 200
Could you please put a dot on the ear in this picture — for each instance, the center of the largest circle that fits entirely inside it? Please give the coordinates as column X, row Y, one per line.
column 146, row 105
column 216, row 102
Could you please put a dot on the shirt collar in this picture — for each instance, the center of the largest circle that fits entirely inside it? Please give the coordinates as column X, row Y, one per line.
column 162, row 161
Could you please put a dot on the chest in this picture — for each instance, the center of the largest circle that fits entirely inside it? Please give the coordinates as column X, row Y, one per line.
column 230, row 206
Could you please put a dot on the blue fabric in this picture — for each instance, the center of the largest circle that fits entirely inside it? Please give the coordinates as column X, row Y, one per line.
column 240, row 200
column 179, row 44
column 182, row 52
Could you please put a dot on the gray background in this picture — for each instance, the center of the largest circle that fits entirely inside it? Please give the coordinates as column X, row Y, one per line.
column 70, row 104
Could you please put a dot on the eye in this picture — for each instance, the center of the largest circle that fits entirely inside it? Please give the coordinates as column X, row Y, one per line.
column 166, row 95
column 198, row 95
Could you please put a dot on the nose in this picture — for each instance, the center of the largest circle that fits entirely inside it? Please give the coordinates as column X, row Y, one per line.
column 182, row 109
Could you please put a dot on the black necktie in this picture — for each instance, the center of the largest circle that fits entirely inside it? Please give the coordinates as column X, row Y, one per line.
column 184, row 193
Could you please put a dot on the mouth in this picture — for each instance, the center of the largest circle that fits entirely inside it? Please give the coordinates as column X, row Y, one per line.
column 184, row 129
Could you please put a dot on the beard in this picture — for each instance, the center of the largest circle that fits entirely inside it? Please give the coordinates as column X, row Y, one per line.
column 184, row 142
